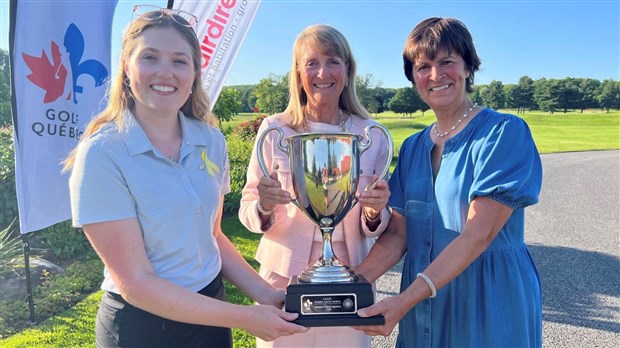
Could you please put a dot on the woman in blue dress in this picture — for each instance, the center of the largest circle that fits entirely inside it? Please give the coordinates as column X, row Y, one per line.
column 458, row 196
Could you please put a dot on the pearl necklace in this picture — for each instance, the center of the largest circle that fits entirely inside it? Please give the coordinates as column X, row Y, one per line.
column 441, row 135
column 340, row 123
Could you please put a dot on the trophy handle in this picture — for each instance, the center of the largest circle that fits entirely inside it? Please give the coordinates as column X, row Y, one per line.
column 261, row 159
column 259, row 147
column 363, row 146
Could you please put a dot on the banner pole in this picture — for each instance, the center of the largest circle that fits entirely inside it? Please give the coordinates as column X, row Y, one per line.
column 26, row 245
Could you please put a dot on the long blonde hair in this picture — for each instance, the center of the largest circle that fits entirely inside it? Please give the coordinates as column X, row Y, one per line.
column 332, row 42
column 120, row 97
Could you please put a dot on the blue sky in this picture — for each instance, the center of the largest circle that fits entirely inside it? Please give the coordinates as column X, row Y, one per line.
column 551, row 39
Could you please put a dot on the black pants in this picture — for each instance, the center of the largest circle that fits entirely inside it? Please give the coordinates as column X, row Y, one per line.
column 120, row 324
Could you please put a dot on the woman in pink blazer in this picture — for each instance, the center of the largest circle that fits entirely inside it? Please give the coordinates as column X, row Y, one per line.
column 322, row 99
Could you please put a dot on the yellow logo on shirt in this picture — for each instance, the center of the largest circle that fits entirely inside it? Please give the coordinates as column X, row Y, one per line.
column 211, row 167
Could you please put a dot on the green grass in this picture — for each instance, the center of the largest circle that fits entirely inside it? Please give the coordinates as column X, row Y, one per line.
column 74, row 327
column 573, row 131
column 592, row 130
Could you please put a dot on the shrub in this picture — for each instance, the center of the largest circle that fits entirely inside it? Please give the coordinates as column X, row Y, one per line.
column 63, row 241
column 5, row 114
column 247, row 130
column 10, row 250
column 56, row 294
column 8, row 198
column 240, row 142
column 239, row 152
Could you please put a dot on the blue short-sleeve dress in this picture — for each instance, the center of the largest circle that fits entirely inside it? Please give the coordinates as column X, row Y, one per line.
column 497, row 300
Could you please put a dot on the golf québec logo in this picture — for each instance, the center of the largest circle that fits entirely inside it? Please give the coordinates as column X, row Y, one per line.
column 59, row 80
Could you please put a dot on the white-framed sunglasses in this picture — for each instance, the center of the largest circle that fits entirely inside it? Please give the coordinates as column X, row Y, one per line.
column 155, row 12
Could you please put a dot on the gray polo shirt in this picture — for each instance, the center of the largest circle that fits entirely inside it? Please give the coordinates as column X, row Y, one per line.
column 120, row 175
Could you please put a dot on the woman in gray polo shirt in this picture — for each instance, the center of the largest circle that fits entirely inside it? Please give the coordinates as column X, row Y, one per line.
column 147, row 186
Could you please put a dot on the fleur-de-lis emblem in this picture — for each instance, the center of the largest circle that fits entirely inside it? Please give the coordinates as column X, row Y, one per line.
column 211, row 167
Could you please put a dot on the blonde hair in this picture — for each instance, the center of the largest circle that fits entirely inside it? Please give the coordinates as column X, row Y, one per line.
column 120, row 97
column 332, row 42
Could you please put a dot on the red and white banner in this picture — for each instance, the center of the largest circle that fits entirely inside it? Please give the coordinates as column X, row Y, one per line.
column 221, row 29
column 60, row 61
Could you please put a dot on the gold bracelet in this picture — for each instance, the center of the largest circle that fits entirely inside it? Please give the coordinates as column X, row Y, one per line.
column 368, row 217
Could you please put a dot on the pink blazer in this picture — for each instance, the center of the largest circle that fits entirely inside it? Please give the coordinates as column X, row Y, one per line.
column 285, row 248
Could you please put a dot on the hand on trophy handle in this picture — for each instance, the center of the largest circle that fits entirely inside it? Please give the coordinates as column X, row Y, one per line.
column 375, row 199
column 270, row 192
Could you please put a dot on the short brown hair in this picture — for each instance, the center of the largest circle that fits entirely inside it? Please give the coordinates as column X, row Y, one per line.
column 434, row 34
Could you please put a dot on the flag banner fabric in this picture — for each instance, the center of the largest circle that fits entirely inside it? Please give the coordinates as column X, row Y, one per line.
column 221, row 28
column 60, row 67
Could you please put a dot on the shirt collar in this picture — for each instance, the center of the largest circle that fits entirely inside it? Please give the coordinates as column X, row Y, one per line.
column 137, row 142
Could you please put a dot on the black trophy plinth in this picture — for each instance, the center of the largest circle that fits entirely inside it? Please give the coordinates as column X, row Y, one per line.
column 330, row 304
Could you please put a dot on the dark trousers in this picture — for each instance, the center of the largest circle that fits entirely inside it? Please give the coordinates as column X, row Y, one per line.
column 120, row 324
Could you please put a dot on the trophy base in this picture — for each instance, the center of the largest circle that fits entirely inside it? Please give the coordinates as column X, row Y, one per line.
column 330, row 304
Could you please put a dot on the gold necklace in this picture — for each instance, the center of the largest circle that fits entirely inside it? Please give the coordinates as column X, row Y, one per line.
column 441, row 135
column 172, row 157
column 340, row 122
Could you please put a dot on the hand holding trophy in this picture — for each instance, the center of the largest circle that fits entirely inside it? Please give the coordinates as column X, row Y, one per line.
column 325, row 169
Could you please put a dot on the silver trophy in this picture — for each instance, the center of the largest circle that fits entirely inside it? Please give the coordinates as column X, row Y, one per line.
column 325, row 169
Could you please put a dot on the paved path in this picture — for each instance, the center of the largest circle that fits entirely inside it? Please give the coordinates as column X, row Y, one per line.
column 573, row 234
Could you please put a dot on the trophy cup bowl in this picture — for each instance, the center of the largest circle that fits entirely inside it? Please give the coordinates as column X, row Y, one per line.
column 325, row 175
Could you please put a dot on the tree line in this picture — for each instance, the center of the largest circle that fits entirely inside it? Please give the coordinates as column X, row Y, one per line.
column 270, row 95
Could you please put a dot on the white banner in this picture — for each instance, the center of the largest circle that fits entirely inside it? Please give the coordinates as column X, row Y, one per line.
column 221, row 29
column 60, row 66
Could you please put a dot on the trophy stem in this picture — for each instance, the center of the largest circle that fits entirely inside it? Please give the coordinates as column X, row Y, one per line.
column 327, row 257
column 327, row 268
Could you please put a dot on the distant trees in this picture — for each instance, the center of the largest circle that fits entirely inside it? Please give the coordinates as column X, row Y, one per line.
column 406, row 101
column 550, row 95
column 403, row 102
column 547, row 95
column 271, row 94
column 368, row 91
column 589, row 89
column 569, row 97
column 493, row 95
column 228, row 104
column 610, row 95
column 521, row 97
